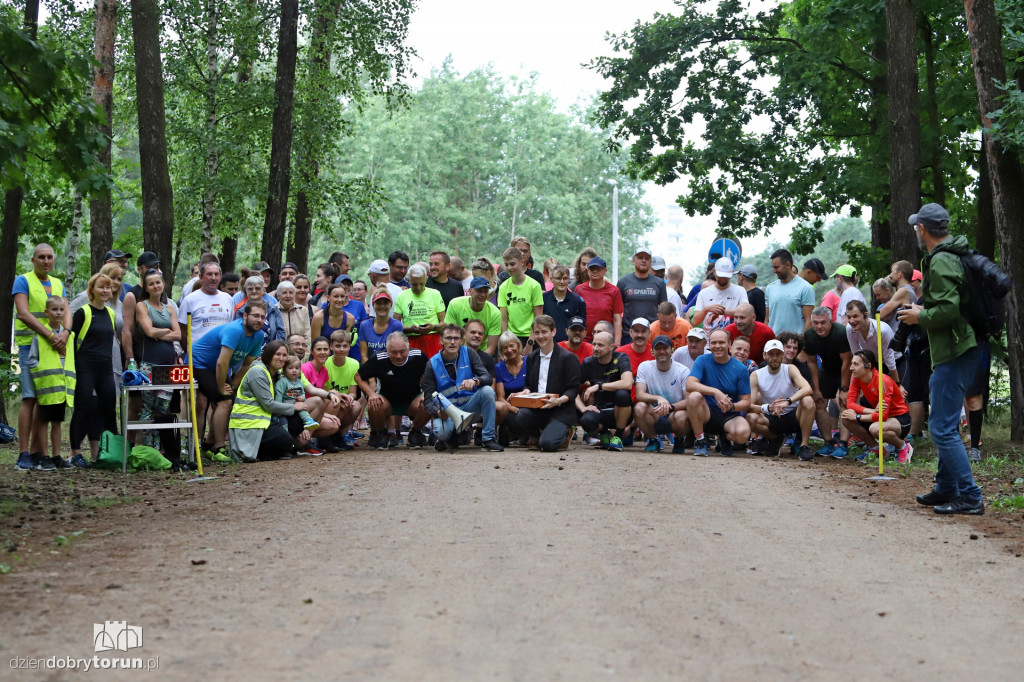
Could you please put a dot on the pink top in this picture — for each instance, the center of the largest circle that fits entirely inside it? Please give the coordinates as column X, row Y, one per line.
column 317, row 378
column 831, row 300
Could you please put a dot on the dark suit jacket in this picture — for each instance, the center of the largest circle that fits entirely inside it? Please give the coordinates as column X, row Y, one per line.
column 563, row 379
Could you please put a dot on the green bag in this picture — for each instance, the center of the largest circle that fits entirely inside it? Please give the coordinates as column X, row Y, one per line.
column 143, row 457
column 111, row 453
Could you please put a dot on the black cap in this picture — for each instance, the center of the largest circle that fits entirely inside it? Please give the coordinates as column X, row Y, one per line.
column 816, row 266
column 115, row 254
column 291, row 265
column 148, row 259
column 577, row 322
column 661, row 338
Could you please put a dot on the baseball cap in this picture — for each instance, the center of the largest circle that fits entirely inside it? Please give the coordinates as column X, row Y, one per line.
column 342, row 278
column 378, row 267
column 774, row 344
column 291, row 265
column 262, row 266
column 379, row 295
column 930, row 214
column 917, row 276
column 596, row 262
column 658, row 263
column 816, row 266
column 148, row 259
column 661, row 339
column 642, row 249
column 845, row 271
column 723, row 267
column 642, row 321
column 480, row 282
column 696, row 333
column 747, row 271
column 116, row 254
column 577, row 322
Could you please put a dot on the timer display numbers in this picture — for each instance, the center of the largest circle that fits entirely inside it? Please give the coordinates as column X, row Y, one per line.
column 163, row 375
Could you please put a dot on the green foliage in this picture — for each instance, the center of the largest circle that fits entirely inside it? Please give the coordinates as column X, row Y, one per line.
column 478, row 158
column 45, row 113
column 1008, row 120
column 779, row 113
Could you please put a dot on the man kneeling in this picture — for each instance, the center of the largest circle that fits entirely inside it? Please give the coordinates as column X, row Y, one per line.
column 718, row 391
column 400, row 370
column 781, row 403
column 459, row 375
column 661, row 397
column 605, row 404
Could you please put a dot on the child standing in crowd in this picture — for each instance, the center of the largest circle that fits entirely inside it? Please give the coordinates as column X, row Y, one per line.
column 289, row 389
column 53, row 376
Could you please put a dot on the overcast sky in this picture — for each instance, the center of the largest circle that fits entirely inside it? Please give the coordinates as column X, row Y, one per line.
column 552, row 38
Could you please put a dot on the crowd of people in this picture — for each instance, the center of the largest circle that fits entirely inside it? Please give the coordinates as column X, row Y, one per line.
column 288, row 364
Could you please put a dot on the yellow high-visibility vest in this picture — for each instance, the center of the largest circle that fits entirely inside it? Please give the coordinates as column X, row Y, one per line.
column 36, row 305
column 54, row 381
column 246, row 412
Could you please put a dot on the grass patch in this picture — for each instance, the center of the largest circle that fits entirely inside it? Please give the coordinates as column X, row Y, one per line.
column 104, row 502
column 1009, row 502
column 10, row 507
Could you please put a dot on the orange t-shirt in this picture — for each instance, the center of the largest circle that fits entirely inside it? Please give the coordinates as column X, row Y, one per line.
column 677, row 333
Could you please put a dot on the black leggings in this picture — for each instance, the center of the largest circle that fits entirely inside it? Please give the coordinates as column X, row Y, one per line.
column 93, row 415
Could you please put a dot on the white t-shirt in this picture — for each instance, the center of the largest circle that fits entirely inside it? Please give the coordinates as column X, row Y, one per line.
column 675, row 300
column 850, row 294
column 730, row 297
column 670, row 385
column 681, row 356
column 187, row 289
column 465, row 284
column 207, row 312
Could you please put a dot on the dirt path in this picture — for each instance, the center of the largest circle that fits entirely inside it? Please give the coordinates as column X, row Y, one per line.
column 431, row 566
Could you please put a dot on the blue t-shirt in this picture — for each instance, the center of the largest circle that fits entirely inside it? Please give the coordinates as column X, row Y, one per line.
column 231, row 335
column 785, row 304
column 21, row 285
column 377, row 343
column 358, row 311
column 730, row 378
column 512, row 383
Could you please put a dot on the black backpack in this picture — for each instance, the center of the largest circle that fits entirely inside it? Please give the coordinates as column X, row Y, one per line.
column 987, row 285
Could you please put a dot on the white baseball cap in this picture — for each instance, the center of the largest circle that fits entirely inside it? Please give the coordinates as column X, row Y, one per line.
column 378, row 267
column 723, row 267
column 697, row 333
column 774, row 344
column 642, row 321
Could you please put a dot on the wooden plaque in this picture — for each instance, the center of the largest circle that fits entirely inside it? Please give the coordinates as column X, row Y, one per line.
column 531, row 399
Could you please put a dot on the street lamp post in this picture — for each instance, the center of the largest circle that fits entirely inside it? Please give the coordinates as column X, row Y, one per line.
column 615, row 230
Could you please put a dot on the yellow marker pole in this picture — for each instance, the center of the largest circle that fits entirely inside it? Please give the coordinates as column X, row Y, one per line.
column 881, row 391
column 192, row 396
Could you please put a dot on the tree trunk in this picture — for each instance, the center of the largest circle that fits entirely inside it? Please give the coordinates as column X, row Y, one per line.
column 932, row 149
column 100, row 214
column 985, row 231
column 73, row 242
column 321, row 43
column 13, row 199
column 1007, row 182
column 281, row 137
column 212, row 152
column 157, row 195
column 904, row 127
column 881, row 235
column 228, row 251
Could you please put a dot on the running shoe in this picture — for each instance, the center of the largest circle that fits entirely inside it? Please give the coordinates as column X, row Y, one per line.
column 394, row 440
column 41, row 462
column 839, row 452
column 805, row 453
column 725, row 446
column 653, row 445
column 310, row 424
column 615, row 444
column 80, row 462
column 905, row 453
column 24, row 462
column 219, row 455
column 700, row 447
column 679, row 447
column 973, row 455
column 417, row 439
column 827, row 450
column 61, row 463
column 605, row 438
column 378, row 440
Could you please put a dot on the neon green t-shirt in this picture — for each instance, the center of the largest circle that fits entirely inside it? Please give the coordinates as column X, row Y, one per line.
column 461, row 312
column 520, row 301
column 342, row 378
column 422, row 309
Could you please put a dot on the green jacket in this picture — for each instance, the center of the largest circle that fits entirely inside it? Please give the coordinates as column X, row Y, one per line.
column 944, row 297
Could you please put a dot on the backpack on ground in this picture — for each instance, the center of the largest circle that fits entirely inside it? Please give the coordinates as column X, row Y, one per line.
column 987, row 285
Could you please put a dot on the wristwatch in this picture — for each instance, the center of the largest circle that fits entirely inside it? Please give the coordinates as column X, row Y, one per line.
column 789, row 400
column 600, row 386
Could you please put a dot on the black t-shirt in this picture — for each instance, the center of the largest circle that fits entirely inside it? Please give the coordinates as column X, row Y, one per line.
column 536, row 275
column 487, row 360
column 592, row 372
column 828, row 348
column 755, row 297
column 449, row 290
column 98, row 343
column 398, row 384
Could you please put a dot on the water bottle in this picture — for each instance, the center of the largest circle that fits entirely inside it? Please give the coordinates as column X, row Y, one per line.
column 132, row 367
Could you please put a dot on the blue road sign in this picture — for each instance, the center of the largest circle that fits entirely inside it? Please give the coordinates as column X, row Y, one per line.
column 725, row 247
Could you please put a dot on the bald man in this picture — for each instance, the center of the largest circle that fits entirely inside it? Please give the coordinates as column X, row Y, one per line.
column 745, row 324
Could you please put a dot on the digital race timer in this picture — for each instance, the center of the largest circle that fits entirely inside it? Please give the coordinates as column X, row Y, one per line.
column 170, row 374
